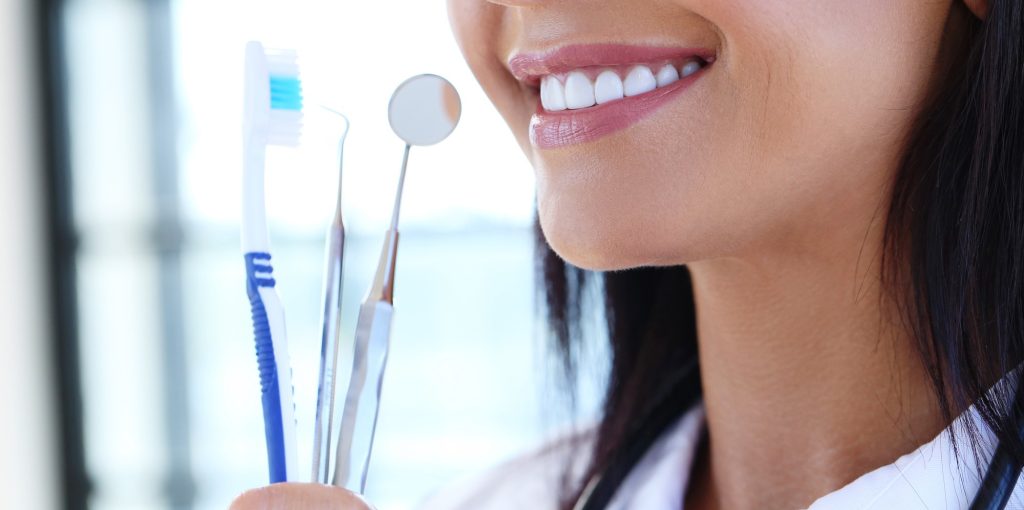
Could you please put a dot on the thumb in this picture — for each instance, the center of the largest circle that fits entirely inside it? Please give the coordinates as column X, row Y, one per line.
column 289, row 496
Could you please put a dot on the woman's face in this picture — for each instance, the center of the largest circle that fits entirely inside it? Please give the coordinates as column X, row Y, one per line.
column 751, row 124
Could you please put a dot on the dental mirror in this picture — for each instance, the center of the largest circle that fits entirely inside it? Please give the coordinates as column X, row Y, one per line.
column 424, row 110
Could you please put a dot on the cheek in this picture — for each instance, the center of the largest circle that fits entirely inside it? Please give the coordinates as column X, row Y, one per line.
column 482, row 29
column 827, row 82
column 814, row 104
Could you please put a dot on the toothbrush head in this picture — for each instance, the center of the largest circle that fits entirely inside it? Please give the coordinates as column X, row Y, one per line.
column 273, row 95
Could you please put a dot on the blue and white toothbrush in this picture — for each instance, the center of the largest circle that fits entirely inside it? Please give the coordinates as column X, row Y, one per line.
column 273, row 116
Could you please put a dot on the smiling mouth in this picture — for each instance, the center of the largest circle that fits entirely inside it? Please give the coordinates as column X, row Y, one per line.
column 585, row 92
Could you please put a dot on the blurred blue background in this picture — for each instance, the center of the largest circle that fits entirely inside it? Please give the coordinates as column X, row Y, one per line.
column 148, row 94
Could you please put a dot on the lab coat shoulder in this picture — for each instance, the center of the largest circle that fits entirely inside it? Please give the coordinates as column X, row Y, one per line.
column 534, row 480
column 936, row 476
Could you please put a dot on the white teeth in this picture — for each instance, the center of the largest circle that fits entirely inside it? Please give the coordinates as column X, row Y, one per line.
column 552, row 96
column 608, row 87
column 667, row 76
column 579, row 91
column 639, row 81
column 690, row 68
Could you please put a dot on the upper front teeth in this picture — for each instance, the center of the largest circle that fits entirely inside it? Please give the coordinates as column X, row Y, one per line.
column 580, row 92
column 607, row 87
column 552, row 95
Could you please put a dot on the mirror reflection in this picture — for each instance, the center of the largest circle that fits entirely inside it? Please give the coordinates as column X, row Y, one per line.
column 424, row 110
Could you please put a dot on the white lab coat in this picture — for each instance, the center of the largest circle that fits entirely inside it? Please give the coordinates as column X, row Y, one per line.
column 928, row 478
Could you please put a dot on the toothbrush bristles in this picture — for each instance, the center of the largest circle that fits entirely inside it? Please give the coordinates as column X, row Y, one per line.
column 286, row 100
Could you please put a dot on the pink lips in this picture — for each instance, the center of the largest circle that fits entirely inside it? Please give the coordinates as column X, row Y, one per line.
column 549, row 130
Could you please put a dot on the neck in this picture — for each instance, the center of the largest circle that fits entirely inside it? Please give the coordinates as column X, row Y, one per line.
column 809, row 379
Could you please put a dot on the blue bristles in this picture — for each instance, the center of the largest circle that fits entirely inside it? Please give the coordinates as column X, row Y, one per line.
column 285, row 93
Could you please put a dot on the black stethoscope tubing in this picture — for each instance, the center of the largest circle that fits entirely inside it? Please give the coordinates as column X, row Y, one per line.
column 1004, row 470
column 994, row 494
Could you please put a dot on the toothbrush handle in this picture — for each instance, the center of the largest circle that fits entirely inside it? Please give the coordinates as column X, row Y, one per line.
column 275, row 372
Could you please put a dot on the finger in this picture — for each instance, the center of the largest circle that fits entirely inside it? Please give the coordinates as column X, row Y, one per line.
column 289, row 496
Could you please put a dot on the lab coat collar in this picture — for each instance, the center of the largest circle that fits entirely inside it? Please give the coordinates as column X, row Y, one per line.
column 929, row 478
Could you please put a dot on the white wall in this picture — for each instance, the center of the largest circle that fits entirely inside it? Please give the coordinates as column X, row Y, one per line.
column 27, row 428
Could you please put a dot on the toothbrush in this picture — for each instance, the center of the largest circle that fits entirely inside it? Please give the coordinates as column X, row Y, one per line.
column 272, row 116
column 324, row 425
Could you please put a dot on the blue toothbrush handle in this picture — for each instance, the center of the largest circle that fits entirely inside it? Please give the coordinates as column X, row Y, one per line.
column 278, row 417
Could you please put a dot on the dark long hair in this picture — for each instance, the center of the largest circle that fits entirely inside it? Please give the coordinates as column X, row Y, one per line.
column 952, row 261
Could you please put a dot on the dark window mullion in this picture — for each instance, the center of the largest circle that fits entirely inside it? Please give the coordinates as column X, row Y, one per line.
column 63, row 249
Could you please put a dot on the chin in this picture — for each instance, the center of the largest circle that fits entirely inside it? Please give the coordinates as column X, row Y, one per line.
column 595, row 221
column 599, row 245
column 582, row 254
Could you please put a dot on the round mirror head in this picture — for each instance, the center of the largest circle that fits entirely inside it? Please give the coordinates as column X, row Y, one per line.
column 424, row 110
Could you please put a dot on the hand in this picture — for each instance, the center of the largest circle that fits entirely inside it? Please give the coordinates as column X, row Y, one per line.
column 295, row 496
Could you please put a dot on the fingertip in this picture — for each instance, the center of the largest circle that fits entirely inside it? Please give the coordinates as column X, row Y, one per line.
column 285, row 496
column 251, row 499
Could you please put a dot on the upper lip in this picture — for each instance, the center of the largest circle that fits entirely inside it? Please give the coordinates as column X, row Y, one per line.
column 531, row 67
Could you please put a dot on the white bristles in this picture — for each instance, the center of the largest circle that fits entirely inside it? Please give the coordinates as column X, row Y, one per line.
column 285, row 128
column 286, row 116
column 283, row 69
column 282, row 62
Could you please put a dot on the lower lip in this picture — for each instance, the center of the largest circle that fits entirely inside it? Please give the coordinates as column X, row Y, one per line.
column 551, row 130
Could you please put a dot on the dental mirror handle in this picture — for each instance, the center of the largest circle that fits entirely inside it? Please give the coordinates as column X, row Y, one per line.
column 370, row 353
